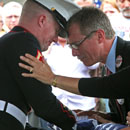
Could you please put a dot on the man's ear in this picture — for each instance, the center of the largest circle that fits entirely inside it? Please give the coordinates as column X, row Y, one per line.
column 42, row 20
column 101, row 35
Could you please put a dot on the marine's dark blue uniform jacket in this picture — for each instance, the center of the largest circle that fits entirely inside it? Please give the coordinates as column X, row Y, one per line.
column 28, row 92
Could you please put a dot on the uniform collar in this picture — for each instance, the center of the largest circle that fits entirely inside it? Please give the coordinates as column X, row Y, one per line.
column 20, row 28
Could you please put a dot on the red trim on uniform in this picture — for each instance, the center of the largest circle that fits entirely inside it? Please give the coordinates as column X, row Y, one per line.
column 25, row 30
column 66, row 111
column 39, row 56
column 12, row 31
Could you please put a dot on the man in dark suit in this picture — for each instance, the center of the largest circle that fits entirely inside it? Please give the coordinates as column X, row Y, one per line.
column 99, row 44
column 39, row 25
column 93, row 40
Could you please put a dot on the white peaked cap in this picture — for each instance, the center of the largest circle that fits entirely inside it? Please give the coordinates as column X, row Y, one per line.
column 61, row 9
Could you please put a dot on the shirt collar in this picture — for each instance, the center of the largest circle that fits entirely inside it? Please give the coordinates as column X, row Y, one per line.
column 110, row 63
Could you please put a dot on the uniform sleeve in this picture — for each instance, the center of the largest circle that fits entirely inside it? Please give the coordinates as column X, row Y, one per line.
column 38, row 95
column 112, row 86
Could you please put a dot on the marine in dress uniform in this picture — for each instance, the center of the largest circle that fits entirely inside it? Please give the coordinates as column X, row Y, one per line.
column 111, row 87
column 18, row 94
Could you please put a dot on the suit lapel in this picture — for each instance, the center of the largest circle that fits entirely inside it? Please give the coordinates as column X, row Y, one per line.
column 119, row 53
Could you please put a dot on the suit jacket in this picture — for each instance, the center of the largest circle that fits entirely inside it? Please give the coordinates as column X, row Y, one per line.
column 112, row 86
column 28, row 92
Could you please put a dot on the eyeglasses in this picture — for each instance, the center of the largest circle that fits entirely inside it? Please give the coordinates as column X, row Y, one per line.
column 77, row 44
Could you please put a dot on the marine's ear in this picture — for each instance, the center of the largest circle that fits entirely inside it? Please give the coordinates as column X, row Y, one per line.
column 42, row 20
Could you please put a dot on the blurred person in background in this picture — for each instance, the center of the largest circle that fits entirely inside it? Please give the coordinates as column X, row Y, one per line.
column 121, row 22
column 84, row 3
column 2, row 31
column 124, row 7
column 109, row 7
column 12, row 13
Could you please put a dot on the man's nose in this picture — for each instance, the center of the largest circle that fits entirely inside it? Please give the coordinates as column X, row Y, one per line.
column 75, row 52
column 13, row 18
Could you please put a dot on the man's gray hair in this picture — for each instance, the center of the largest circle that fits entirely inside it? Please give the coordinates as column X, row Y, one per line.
column 91, row 19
